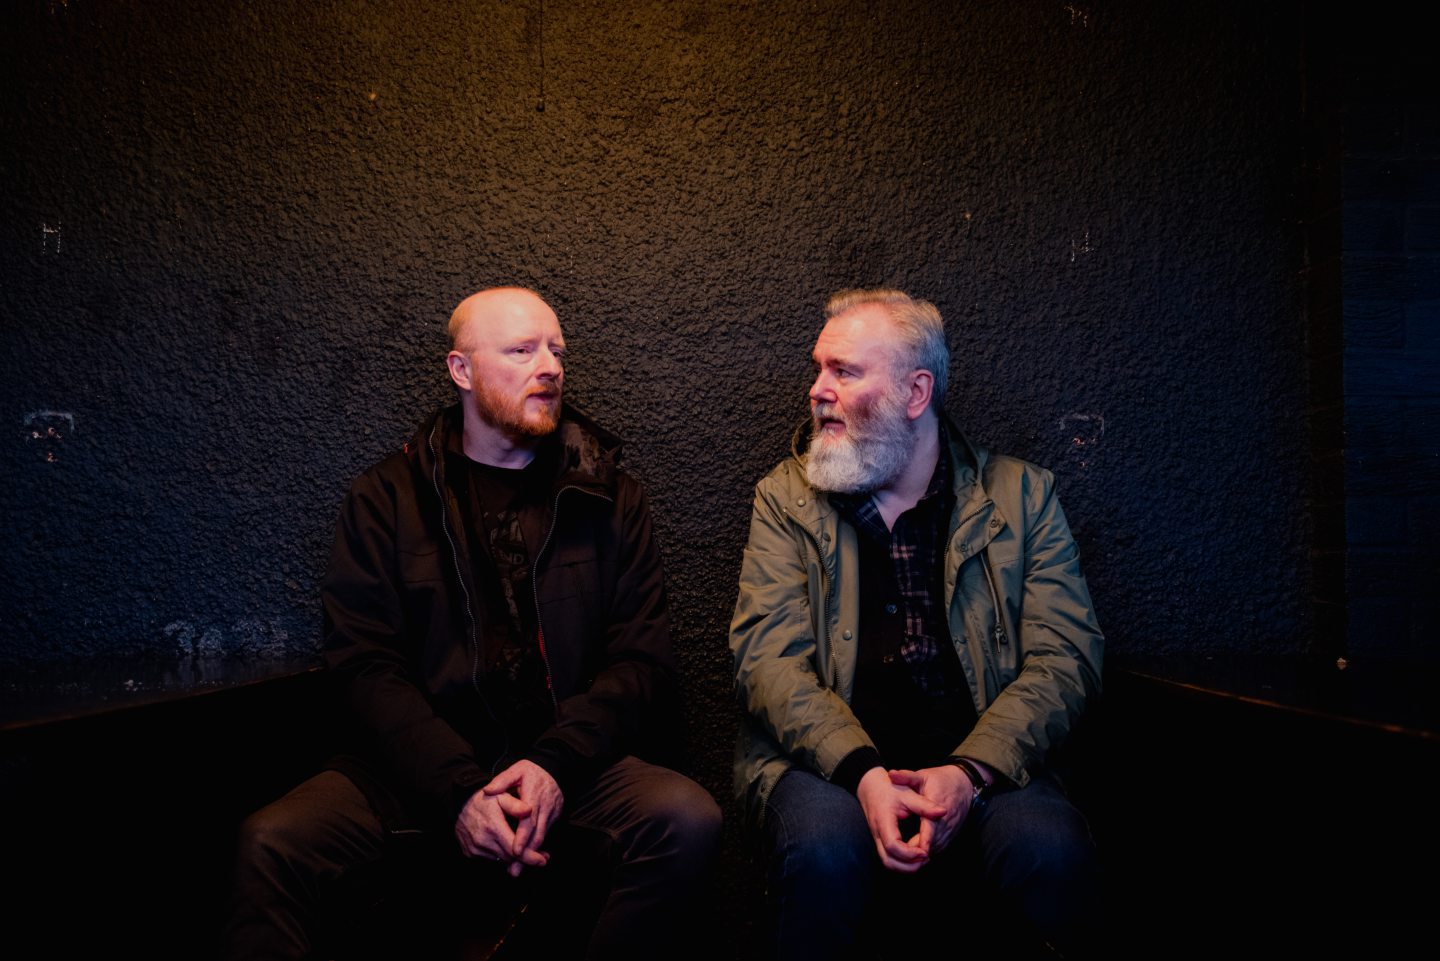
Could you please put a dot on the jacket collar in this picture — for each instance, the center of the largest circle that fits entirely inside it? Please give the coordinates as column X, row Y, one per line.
column 968, row 461
column 975, row 520
column 588, row 455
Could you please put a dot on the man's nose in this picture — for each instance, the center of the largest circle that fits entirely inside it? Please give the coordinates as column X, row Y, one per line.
column 550, row 364
column 822, row 391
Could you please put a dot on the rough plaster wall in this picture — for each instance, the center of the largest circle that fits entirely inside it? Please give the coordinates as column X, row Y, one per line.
column 232, row 233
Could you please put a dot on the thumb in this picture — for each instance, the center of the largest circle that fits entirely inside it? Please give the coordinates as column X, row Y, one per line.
column 905, row 778
column 512, row 806
column 502, row 783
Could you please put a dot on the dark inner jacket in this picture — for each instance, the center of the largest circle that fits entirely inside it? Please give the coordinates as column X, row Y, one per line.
column 402, row 624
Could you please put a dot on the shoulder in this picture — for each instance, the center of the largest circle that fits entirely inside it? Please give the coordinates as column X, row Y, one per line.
column 395, row 492
column 405, row 467
column 1004, row 474
column 786, row 481
column 627, row 491
column 392, row 476
column 786, row 502
column 1015, row 485
column 1018, row 487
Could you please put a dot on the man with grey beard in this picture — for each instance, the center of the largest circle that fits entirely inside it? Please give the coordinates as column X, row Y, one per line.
column 913, row 639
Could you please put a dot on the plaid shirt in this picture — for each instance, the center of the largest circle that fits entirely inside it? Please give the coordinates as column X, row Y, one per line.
column 917, row 551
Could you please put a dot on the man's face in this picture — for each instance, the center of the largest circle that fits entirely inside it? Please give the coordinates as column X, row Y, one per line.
column 515, row 353
column 861, row 433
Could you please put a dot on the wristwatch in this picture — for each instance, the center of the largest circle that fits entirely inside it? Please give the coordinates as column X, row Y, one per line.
column 977, row 781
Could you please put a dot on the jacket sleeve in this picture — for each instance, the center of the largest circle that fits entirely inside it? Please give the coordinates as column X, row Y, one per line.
column 772, row 638
column 365, row 646
column 632, row 695
column 1060, row 646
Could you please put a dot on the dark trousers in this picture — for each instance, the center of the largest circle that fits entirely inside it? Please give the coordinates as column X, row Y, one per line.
column 650, row 832
column 1023, row 868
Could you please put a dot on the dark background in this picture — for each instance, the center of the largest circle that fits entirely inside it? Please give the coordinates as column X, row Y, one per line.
column 231, row 235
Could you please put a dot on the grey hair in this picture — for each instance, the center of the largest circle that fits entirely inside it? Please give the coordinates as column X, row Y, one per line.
column 921, row 329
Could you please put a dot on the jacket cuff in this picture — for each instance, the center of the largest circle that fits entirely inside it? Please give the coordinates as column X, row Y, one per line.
column 463, row 788
column 854, row 767
column 571, row 771
column 1001, row 756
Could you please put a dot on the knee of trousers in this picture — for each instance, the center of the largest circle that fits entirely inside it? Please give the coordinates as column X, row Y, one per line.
column 824, row 855
column 683, row 819
column 1050, row 866
column 268, row 840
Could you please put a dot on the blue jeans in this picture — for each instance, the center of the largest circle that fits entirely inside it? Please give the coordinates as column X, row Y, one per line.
column 1028, row 851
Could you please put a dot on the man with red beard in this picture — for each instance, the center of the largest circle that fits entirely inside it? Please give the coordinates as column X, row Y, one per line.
column 913, row 639
column 495, row 613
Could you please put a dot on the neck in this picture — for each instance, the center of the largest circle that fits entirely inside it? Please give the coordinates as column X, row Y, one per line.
column 498, row 448
column 905, row 491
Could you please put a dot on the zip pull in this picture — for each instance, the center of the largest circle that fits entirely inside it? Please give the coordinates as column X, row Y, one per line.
column 545, row 659
column 999, row 631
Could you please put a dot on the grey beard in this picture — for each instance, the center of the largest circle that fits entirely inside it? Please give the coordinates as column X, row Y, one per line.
column 865, row 462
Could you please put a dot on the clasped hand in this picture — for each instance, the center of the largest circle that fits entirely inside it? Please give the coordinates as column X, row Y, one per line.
column 938, row 796
column 508, row 818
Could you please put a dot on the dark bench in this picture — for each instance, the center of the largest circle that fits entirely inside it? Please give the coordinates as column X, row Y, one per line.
column 1241, row 797
column 122, row 785
column 122, row 788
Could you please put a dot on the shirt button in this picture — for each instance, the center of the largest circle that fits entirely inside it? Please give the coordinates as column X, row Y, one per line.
column 800, row 502
column 847, row 635
column 889, row 608
column 825, row 537
column 994, row 522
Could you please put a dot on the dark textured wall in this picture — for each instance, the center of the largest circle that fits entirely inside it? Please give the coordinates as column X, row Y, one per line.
column 231, row 234
column 1391, row 268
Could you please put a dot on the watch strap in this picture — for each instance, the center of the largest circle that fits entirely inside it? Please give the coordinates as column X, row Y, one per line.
column 977, row 780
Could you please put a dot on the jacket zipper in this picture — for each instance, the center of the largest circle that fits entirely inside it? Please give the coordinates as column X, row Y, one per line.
column 455, row 559
column 998, row 634
column 764, row 798
column 825, row 612
column 535, row 590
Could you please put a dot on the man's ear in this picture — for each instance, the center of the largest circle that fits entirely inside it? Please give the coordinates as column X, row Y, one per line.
column 459, row 366
column 922, row 384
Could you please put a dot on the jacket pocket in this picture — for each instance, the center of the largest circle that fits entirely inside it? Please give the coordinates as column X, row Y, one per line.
column 423, row 566
column 571, row 570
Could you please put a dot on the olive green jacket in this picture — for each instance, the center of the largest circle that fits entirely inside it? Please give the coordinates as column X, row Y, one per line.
column 1018, row 607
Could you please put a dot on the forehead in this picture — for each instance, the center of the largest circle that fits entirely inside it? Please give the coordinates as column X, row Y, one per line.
column 864, row 334
column 511, row 319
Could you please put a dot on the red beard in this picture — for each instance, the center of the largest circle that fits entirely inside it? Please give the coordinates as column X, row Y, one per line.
column 509, row 414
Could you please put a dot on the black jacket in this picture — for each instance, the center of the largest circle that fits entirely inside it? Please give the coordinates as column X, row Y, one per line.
column 401, row 624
